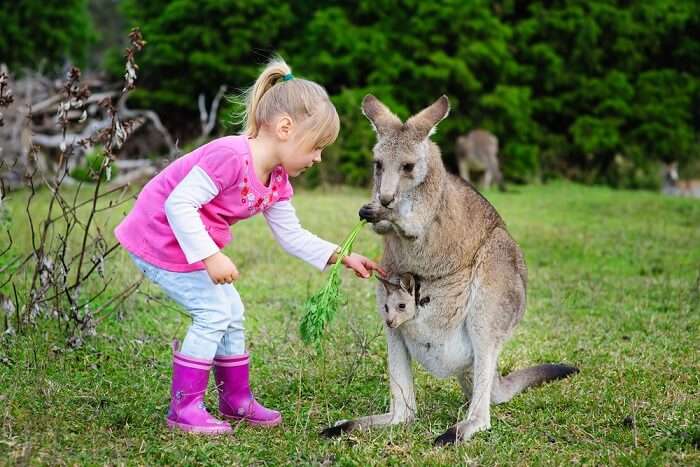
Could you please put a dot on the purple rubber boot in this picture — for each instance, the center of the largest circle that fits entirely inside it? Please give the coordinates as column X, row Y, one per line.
column 235, row 399
column 187, row 412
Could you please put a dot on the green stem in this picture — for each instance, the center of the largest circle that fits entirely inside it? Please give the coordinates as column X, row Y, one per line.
column 346, row 247
column 321, row 307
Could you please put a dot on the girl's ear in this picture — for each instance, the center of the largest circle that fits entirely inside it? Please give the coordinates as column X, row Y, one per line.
column 283, row 127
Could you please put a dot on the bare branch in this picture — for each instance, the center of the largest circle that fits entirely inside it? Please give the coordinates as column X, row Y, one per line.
column 9, row 245
column 208, row 119
column 58, row 274
column 126, row 113
column 71, row 139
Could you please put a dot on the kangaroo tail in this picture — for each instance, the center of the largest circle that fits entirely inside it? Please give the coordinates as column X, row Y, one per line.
column 506, row 387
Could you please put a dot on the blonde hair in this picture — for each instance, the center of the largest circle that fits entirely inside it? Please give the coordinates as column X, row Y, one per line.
column 303, row 100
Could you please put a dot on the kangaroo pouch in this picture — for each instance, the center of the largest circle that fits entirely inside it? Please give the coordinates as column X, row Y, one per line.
column 437, row 337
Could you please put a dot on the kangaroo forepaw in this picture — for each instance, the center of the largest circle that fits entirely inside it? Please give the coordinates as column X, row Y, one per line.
column 373, row 212
column 382, row 227
column 338, row 429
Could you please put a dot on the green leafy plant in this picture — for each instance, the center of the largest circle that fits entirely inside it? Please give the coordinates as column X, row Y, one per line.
column 320, row 308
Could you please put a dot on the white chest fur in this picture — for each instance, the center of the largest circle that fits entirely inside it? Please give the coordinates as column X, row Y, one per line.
column 442, row 352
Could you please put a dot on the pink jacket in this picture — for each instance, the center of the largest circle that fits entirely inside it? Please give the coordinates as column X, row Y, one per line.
column 146, row 232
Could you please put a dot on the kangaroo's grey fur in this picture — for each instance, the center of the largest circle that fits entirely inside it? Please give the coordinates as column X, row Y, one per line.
column 477, row 155
column 472, row 275
column 674, row 186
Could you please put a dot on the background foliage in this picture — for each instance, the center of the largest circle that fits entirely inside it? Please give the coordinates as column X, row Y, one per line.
column 597, row 91
column 39, row 34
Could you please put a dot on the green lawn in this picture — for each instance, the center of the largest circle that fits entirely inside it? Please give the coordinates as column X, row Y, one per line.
column 614, row 289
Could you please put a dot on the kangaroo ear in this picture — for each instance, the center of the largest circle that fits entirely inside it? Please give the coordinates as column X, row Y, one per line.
column 379, row 115
column 407, row 282
column 389, row 284
column 426, row 120
column 385, row 283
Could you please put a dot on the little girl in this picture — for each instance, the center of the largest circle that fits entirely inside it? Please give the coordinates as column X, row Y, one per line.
column 181, row 220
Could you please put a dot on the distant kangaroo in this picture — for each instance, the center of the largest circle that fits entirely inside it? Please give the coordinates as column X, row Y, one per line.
column 477, row 156
column 472, row 276
column 672, row 185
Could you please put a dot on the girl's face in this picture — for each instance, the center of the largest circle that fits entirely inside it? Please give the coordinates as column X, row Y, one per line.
column 299, row 158
column 295, row 155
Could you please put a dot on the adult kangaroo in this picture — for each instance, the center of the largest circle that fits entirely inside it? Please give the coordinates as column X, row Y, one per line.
column 477, row 156
column 674, row 186
column 443, row 232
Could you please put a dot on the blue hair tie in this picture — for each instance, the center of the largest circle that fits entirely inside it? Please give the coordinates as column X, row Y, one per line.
column 288, row 77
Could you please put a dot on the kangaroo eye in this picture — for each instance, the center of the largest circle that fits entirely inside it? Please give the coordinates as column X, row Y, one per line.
column 386, row 308
column 378, row 165
column 408, row 167
column 402, row 306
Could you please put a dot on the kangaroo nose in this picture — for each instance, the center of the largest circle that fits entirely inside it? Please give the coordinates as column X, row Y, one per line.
column 386, row 200
column 390, row 323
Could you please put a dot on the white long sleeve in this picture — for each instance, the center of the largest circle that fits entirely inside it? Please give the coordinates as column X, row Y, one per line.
column 286, row 228
column 182, row 210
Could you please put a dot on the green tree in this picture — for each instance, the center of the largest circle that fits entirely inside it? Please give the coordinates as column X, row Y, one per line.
column 195, row 46
column 45, row 34
column 408, row 54
column 610, row 81
column 570, row 88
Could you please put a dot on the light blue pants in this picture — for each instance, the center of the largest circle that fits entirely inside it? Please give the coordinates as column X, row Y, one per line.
column 216, row 310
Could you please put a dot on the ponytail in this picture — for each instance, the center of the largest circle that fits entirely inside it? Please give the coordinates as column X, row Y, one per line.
column 275, row 70
column 275, row 92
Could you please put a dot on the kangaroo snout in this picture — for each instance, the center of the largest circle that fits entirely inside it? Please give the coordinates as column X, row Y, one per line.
column 386, row 200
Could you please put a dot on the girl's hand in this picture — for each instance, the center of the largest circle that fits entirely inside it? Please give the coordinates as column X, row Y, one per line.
column 221, row 269
column 362, row 266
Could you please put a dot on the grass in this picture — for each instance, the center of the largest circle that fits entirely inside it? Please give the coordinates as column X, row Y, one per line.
column 614, row 289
